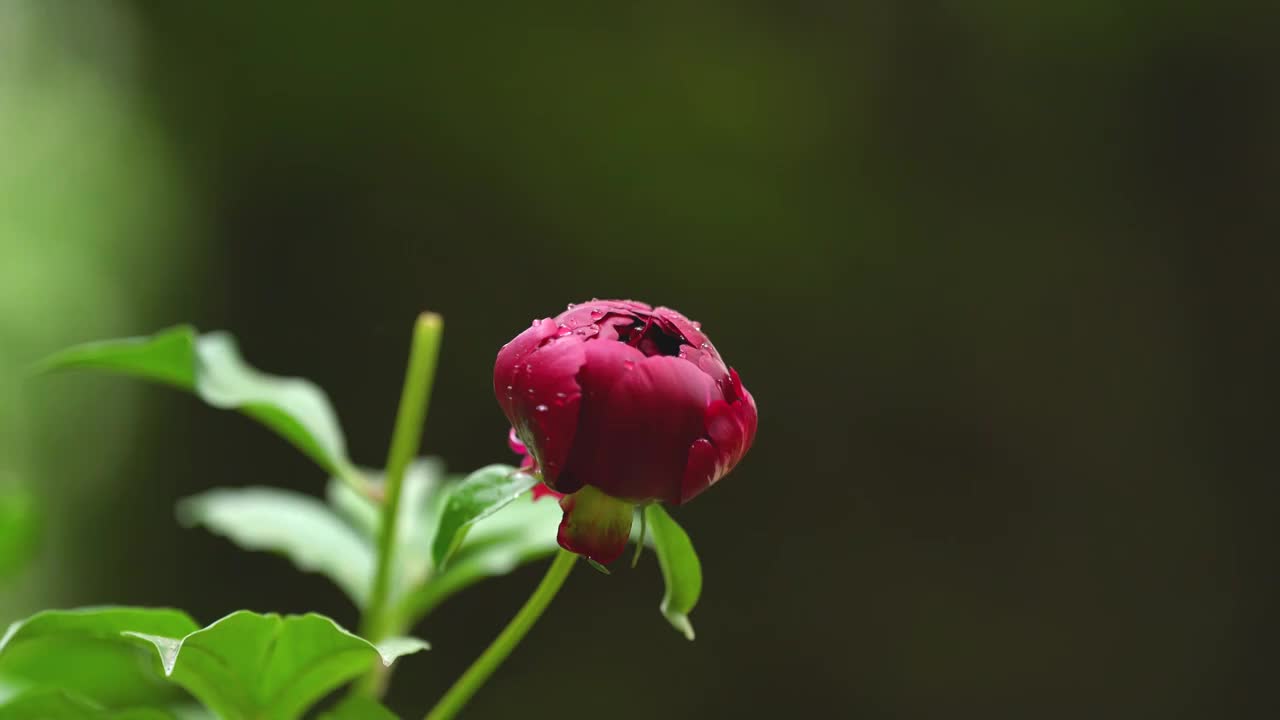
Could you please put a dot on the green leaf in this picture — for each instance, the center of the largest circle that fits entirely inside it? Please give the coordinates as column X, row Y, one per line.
column 190, row 711
column 681, row 570
column 82, row 652
column 297, row 526
column 48, row 704
column 248, row 666
column 420, row 500
column 357, row 509
column 421, row 497
column 481, row 494
column 210, row 365
column 358, row 707
column 167, row 357
column 297, row 409
column 521, row 532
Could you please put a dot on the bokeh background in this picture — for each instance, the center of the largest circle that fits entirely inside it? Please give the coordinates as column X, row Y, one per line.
column 1000, row 276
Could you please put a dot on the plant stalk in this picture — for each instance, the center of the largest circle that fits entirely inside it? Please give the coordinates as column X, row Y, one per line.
column 501, row 647
column 405, row 439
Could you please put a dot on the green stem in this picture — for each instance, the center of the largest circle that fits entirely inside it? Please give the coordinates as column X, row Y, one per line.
column 511, row 635
column 405, row 438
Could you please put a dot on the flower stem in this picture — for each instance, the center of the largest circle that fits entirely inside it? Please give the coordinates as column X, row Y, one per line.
column 405, row 438
column 511, row 635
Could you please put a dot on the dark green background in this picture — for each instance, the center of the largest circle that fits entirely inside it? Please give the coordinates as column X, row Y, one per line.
column 996, row 273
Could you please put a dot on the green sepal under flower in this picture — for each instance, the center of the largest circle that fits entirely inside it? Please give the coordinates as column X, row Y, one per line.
column 595, row 525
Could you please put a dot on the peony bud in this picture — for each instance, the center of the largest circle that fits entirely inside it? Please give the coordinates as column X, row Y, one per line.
column 620, row 404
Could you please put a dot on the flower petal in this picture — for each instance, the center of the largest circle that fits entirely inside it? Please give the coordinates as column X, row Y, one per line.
column 541, row 490
column 527, row 462
column 731, row 428
column 701, row 469
column 708, row 361
column 586, row 314
column 545, row 403
column 677, row 324
column 513, row 442
column 639, row 417
column 511, row 358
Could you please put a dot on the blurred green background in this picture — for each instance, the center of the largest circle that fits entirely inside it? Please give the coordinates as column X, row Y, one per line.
column 999, row 275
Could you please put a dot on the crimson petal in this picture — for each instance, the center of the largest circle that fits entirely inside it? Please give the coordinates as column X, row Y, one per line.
column 545, row 402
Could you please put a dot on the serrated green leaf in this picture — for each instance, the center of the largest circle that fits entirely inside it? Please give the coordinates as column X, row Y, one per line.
column 249, row 666
column 51, row 704
column 481, row 494
column 210, row 366
column 298, row 526
column 358, row 707
column 82, row 652
column 681, row 570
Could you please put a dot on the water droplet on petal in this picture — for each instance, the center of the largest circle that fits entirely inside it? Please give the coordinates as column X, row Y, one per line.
column 571, row 306
column 705, row 345
column 530, row 391
column 541, row 408
column 562, row 395
column 697, row 325
column 534, row 323
column 628, row 365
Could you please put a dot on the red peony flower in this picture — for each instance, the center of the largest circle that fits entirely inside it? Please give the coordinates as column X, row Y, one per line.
column 620, row 404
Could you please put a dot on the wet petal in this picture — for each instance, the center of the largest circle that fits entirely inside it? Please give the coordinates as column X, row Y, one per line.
column 639, row 417
column 701, row 469
column 583, row 315
column 545, row 402
column 731, row 428
column 511, row 358
column 706, row 360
